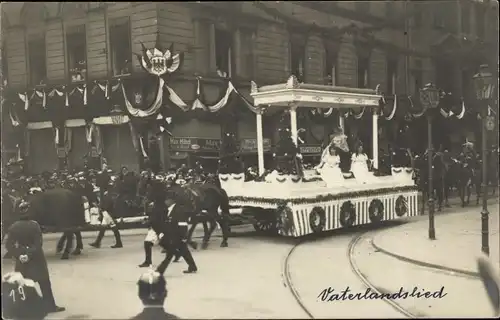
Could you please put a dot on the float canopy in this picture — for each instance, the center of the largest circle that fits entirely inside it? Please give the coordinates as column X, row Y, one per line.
column 293, row 93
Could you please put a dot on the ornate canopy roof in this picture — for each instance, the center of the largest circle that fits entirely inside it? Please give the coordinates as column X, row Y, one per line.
column 313, row 96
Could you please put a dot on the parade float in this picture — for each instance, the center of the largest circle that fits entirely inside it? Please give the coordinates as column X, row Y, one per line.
column 304, row 202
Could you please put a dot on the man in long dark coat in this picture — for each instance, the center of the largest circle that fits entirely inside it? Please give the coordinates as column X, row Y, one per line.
column 169, row 221
column 25, row 244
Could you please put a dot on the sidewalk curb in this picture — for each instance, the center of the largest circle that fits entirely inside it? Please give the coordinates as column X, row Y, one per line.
column 424, row 264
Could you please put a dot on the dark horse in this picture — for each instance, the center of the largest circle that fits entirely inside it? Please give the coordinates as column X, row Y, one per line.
column 61, row 209
column 205, row 200
column 422, row 178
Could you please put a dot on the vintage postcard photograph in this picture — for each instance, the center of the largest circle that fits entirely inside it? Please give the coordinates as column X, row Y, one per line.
column 250, row 159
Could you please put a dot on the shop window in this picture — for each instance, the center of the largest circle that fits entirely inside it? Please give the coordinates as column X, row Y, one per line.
column 37, row 61
column 392, row 74
column 121, row 49
column 223, row 52
column 363, row 71
column 76, row 50
column 330, row 65
column 480, row 21
column 298, row 57
column 416, row 7
column 4, row 72
column 439, row 16
column 465, row 16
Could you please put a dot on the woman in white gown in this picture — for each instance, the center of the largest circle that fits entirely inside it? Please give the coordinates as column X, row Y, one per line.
column 359, row 165
column 329, row 168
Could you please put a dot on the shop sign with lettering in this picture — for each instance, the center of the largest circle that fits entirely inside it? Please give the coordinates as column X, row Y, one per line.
column 250, row 145
column 194, row 144
column 310, row 149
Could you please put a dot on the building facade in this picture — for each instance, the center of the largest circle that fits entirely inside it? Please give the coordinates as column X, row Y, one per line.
column 400, row 45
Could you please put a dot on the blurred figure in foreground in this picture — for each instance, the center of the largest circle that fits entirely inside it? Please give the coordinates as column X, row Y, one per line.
column 491, row 280
column 21, row 298
column 24, row 242
column 153, row 292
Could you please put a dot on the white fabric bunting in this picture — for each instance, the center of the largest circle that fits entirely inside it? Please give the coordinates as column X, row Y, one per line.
column 151, row 110
column 41, row 94
column 394, row 107
column 56, row 139
column 197, row 104
column 24, row 98
column 462, row 113
column 104, row 88
column 142, row 148
column 15, row 122
column 359, row 115
column 176, row 99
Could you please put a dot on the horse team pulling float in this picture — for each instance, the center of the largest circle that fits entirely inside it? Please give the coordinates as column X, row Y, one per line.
column 295, row 206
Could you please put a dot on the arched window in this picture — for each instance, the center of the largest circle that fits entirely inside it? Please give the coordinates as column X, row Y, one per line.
column 331, row 58
column 392, row 74
column 298, row 56
column 4, row 75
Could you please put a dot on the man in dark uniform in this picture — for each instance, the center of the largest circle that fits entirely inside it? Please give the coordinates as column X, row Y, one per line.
column 25, row 244
column 169, row 221
column 153, row 292
column 102, row 181
column 107, row 210
column 157, row 194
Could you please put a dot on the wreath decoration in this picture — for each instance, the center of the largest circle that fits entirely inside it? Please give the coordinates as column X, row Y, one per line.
column 237, row 177
column 317, row 219
column 285, row 219
column 401, row 206
column 347, row 214
column 281, row 179
column 376, row 210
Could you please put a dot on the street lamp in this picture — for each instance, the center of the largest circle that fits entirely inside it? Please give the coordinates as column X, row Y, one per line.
column 429, row 97
column 484, row 85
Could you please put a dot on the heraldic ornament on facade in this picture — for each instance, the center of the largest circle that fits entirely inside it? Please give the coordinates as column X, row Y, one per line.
column 157, row 61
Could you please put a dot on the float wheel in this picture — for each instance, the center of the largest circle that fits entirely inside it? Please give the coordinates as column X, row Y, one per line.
column 265, row 222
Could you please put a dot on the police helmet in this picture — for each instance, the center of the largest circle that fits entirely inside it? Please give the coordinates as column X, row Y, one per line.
column 152, row 288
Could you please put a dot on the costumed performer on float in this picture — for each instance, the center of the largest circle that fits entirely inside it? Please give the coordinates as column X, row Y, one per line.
column 359, row 165
column 329, row 167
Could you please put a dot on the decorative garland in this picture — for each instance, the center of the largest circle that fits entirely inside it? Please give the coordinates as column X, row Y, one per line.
column 328, row 197
column 347, row 215
column 376, row 210
column 317, row 219
column 401, row 206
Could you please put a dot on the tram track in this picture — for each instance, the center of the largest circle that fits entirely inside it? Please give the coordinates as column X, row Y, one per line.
column 369, row 285
column 289, row 284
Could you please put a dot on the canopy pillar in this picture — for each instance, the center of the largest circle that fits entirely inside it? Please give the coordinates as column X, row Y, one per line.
column 260, row 142
column 375, row 138
column 342, row 122
column 293, row 123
